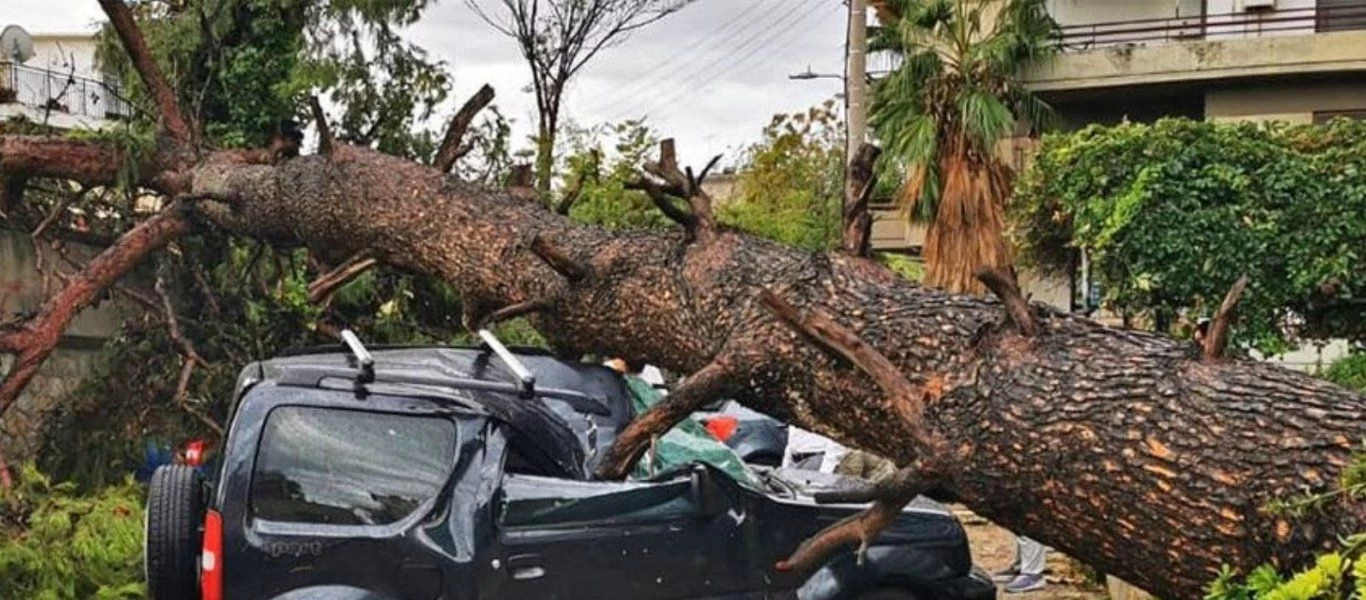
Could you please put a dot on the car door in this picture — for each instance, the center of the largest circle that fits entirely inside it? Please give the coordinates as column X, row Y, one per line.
column 682, row 538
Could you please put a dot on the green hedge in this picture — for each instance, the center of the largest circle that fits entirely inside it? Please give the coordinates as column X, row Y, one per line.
column 1174, row 212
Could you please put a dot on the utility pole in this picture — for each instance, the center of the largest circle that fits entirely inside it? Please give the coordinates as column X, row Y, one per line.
column 856, row 78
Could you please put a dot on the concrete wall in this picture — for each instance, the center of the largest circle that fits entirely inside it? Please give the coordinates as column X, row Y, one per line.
column 61, row 52
column 21, row 291
column 1202, row 61
column 1292, row 104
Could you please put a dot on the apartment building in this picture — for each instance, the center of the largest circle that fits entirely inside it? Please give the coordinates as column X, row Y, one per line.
column 56, row 78
column 1297, row 61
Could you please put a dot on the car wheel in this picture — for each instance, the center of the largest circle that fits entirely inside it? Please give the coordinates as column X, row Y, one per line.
column 173, row 536
column 887, row 594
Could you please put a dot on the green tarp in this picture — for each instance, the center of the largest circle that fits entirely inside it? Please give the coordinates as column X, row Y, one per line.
column 686, row 443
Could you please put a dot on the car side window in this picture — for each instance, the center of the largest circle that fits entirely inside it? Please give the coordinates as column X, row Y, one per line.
column 345, row 467
column 531, row 500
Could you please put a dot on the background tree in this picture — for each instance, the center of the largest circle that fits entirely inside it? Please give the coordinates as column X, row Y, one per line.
column 557, row 38
column 1171, row 214
column 941, row 113
column 250, row 67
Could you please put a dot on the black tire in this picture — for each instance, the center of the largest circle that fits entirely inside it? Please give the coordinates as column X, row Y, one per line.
column 174, row 534
column 888, row 594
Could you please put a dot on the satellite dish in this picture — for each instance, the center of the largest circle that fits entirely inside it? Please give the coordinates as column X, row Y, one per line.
column 15, row 44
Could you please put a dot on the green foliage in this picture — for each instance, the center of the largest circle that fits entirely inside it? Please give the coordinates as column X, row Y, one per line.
column 236, row 302
column 56, row 544
column 1334, row 575
column 607, row 157
column 1348, row 371
column 902, row 265
column 1172, row 213
column 956, row 89
column 789, row 187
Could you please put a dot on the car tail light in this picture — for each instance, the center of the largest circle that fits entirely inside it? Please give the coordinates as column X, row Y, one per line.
column 722, row 427
column 211, row 559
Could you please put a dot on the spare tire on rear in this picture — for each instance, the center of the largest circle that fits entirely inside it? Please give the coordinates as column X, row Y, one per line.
column 174, row 534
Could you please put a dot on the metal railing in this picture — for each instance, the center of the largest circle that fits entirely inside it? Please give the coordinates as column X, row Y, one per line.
column 1254, row 23
column 59, row 92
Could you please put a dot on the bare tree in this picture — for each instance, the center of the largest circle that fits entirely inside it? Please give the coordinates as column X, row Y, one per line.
column 559, row 37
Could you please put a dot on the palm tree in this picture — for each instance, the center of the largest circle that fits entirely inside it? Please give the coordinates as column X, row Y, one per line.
column 954, row 95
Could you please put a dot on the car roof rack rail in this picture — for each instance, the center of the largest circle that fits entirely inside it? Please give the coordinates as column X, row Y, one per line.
column 359, row 357
column 525, row 379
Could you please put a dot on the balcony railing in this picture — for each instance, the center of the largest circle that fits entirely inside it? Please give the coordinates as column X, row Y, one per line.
column 61, row 92
column 1341, row 16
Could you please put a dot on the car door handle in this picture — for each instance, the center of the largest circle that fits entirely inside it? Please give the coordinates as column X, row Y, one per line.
column 525, row 566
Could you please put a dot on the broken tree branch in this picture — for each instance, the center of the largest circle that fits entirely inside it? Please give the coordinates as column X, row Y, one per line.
column 702, row 178
column 572, row 194
column 89, row 162
column 906, row 399
column 890, row 496
column 326, row 143
column 675, row 181
column 1217, row 340
column 1002, row 283
column 512, row 312
column 567, row 267
column 699, row 221
column 189, row 357
column 172, row 119
column 707, row 384
column 451, row 148
column 859, row 181
column 663, row 202
column 326, row 284
column 37, row 338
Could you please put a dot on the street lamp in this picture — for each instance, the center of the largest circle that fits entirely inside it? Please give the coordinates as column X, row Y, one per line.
column 808, row 74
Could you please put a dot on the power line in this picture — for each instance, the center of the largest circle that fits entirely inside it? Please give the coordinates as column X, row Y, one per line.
column 660, row 72
column 667, row 95
column 745, row 61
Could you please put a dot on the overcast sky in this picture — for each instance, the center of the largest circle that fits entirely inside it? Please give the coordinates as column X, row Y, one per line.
column 711, row 75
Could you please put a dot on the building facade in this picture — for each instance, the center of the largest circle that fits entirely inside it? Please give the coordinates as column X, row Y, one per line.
column 62, row 84
column 1295, row 61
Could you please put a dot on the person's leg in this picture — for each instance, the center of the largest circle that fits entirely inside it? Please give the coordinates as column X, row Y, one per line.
column 1032, row 558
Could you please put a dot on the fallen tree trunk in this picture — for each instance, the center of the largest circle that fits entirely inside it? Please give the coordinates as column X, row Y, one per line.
column 1128, row 450
column 1136, row 453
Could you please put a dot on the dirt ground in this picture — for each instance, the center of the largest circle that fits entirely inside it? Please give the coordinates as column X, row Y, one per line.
column 993, row 548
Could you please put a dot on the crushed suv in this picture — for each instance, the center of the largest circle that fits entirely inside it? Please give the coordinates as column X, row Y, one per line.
column 463, row 473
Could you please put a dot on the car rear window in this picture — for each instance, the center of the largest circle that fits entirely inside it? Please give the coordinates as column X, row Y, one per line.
column 343, row 467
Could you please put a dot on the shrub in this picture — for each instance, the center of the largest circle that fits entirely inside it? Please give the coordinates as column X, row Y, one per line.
column 1171, row 214
column 1348, row 371
column 56, row 544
